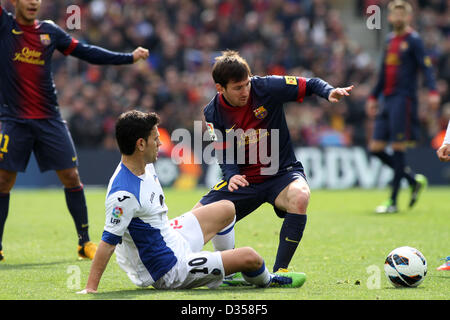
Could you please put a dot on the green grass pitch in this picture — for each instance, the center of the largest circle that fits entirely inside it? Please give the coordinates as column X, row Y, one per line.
column 342, row 251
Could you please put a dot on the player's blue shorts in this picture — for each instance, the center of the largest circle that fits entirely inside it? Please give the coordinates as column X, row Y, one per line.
column 397, row 119
column 49, row 139
column 248, row 199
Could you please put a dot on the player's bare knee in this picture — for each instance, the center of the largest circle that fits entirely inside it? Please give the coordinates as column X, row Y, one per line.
column 7, row 180
column 69, row 178
column 229, row 211
column 251, row 259
column 298, row 201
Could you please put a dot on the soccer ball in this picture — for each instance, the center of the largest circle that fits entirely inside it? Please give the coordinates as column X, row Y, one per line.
column 405, row 267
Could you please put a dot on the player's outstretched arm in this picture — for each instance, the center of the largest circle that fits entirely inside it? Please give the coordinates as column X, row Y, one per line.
column 338, row 93
column 101, row 56
column 101, row 259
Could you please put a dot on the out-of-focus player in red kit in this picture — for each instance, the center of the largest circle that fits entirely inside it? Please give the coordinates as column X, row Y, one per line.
column 396, row 120
column 30, row 120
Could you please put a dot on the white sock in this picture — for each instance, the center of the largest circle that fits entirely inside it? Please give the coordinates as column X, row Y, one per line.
column 224, row 240
column 260, row 277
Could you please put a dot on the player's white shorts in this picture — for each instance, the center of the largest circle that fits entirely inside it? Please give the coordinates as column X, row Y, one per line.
column 194, row 268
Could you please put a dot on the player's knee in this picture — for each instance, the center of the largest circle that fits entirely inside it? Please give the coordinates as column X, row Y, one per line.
column 229, row 211
column 69, row 178
column 7, row 180
column 251, row 259
column 298, row 201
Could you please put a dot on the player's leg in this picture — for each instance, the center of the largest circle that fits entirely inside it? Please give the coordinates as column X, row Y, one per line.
column 16, row 144
column 54, row 150
column 225, row 238
column 381, row 135
column 294, row 200
column 403, row 128
column 76, row 201
column 247, row 261
column 7, row 180
column 215, row 217
column 377, row 149
column 245, row 201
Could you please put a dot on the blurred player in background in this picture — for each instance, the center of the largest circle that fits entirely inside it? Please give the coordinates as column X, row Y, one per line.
column 249, row 103
column 29, row 112
column 154, row 251
column 396, row 120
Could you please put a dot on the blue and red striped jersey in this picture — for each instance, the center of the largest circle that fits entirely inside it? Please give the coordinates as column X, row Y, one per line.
column 27, row 89
column 403, row 57
column 251, row 125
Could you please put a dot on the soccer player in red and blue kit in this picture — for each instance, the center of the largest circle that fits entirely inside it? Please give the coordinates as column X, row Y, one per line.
column 254, row 105
column 29, row 115
column 396, row 121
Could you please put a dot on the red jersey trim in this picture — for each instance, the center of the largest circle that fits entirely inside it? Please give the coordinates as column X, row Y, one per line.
column 301, row 89
column 71, row 47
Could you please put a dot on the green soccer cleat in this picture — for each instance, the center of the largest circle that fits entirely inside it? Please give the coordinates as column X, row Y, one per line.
column 287, row 280
column 387, row 207
column 234, row 280
column 416, row 190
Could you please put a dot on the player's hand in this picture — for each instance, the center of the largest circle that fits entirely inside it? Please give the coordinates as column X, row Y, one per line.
column 434, row 100
column 371, row 108
column 86, row 291
column 140, row 53
column 443, row 153
column 237, row 181
column 338, row 93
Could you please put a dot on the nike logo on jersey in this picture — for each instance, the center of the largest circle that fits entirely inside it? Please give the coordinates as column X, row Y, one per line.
column 123, row 198
column 14, row 31
column 228, row 130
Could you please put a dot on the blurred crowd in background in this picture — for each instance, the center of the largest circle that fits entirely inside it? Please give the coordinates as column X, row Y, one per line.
column 294, row 37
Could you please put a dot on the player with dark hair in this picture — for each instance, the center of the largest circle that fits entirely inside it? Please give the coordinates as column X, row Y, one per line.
column 245, row 116
column 29, row 114
column 396, row 121
column 150, row 248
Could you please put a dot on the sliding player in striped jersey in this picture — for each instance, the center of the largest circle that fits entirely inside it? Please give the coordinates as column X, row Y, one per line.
column 150, row 248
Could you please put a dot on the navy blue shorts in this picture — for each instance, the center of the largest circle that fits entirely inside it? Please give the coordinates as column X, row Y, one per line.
column 397, row 120
column 49, row 139
column 248, row 199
